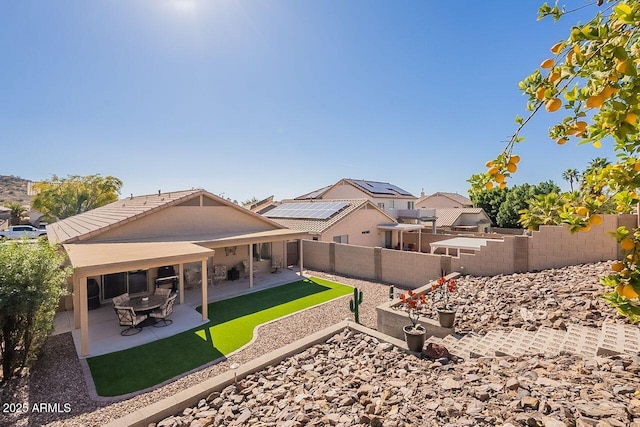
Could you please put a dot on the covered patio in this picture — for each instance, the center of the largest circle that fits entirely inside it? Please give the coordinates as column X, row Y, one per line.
column 95, row 259
column 400, row 229
column 104, row 334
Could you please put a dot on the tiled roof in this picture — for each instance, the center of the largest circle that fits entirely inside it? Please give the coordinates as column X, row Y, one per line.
column 314, row 194
column 448, row 217
column 92, row 222
column 377, row 188
column 96, row 221
column 373, row 188
column 320, row 225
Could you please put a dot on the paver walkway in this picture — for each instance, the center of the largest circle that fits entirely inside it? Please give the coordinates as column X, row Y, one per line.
column 587, row 342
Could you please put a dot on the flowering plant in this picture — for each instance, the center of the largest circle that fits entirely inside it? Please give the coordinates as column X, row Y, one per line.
column 414, row 305
column 442, row 289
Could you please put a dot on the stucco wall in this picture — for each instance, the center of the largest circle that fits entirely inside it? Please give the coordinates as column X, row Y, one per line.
column 356, row 225
column 187, row 221
column 345, row 191
column 438, row 202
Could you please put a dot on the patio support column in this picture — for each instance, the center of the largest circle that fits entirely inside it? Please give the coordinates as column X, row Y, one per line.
column 76, row 302
column 285, row 264
column 84, row 316
column 401, row 247
column 250, row 265
column 205, row 308
column 419, row 239
column 181, row 282
column 301, row 244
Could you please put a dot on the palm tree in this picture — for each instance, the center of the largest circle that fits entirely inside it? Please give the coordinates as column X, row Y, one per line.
column 571, row 175
column 17, row 211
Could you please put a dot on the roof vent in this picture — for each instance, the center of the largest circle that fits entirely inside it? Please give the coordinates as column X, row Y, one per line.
column 158, row 192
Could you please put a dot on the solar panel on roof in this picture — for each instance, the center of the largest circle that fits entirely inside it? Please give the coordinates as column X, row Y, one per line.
column 381, row 187
column 310, row 210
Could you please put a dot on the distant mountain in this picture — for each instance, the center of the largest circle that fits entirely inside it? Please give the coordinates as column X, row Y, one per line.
column 13, row 188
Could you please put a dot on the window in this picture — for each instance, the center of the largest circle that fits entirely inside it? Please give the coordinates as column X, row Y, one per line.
column 133, row 282
column 341, row 239
column 366, row 232
column 314, row 238
column 410, row 205
column 381, row 205
column 261, row 251
column 392, row 204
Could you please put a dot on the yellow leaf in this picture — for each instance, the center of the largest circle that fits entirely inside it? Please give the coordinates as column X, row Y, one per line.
column 597, row 144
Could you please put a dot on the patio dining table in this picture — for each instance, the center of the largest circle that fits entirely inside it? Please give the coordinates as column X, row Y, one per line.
column 142, row 306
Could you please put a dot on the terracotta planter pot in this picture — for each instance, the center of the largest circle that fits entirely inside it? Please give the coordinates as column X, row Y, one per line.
column 415, row 337
column 446, row 317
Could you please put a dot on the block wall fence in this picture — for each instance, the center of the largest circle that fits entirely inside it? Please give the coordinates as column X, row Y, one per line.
column 551, row 247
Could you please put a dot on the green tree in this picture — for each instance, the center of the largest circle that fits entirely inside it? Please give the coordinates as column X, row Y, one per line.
column 571, row 175
column 518, row 199
column 17, row 212
column 490, row 201
column 543, row 209
column 593, row 74
column 31, row 284
column 65, row 197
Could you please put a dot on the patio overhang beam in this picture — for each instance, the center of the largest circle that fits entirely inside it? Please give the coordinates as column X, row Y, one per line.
column 258, row 237
column 107, row 258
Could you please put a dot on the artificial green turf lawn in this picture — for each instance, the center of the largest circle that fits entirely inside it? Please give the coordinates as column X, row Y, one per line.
column 232, row 324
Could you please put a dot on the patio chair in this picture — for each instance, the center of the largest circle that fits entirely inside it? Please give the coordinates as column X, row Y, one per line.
column 128, row 317
column 165, row 310
column 245, row 265
column 165, row 292
column 219, row 274
column 276, row 263
column 120, row 299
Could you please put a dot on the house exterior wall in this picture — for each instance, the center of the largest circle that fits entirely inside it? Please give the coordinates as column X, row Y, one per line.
column 361, row 226
column 186, row 221
column 348, row 191
column 345, row 191
column 438, row 202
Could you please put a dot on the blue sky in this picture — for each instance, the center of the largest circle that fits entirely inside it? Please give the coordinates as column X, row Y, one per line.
column 259, row 98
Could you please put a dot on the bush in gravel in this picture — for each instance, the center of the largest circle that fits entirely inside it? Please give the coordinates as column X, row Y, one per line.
column 32, row 280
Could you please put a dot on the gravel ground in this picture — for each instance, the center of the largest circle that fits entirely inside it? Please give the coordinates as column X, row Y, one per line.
column 58, row 378
column 553, row 298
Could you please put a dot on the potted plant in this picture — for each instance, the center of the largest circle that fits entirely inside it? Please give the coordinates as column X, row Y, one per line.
column 441, row 291
column 414, row 334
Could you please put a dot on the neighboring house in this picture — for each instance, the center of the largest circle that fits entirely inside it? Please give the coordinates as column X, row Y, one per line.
column 352, row 221
column 262, row 206
column 122, row 245
column 463, row 219
column 388, row 197
column 349, row 221
column 442, row 200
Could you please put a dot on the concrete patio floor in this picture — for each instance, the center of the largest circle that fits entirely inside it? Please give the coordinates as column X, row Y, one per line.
column 104, row 330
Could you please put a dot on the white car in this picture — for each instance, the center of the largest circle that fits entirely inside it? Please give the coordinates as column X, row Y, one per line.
column 20, row 231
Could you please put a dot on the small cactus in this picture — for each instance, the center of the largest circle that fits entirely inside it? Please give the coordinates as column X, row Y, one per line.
column 354, row 304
